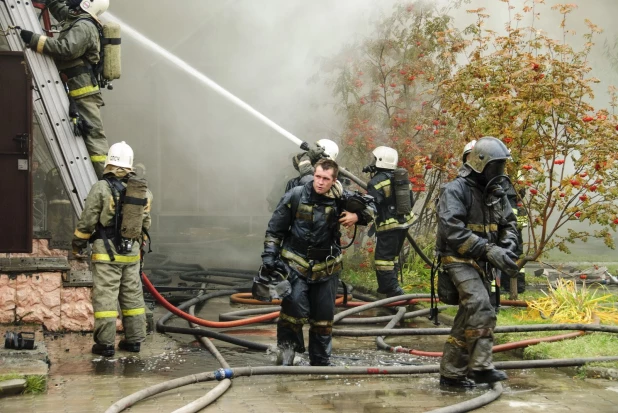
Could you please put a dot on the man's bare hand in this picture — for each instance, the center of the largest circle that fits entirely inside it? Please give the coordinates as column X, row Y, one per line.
column 348, row 219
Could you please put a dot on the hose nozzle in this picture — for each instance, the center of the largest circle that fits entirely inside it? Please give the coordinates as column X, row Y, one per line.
column 305, row 146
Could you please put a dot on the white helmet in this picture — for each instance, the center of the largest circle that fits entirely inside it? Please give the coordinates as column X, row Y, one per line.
column 94, row 7
column 386, row 158
column 120, row 154
column 330, row 148
column 467, row 149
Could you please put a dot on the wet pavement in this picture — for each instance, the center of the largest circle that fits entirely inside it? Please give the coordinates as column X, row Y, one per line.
column 81, row 382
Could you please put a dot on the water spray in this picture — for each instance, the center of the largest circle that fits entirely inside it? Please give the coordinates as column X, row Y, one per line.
column 187, row 68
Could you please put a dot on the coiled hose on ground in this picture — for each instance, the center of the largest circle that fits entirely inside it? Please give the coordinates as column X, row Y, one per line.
column 235, row 318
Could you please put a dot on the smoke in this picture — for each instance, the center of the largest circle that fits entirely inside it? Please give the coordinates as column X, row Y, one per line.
column 210, row 164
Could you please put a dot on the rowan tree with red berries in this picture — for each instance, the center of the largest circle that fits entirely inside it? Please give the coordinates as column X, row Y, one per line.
column 534, row 92
column 426, row 89
column 386, row 90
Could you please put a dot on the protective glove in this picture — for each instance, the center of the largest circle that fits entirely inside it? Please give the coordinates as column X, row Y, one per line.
column 509, row 244
column 79, row 245
column 315, row 153
column 83, row 127
column 26, row 36
column 502, row 259
column 269, row 262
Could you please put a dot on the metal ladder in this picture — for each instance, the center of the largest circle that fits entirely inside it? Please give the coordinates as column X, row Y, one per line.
column 51, row 105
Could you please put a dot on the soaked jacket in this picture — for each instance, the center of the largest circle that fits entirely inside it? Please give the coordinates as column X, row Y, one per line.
column 304, row 231
column 78, row 45
column 462, row 235
column 381, row 189
column 100, row 208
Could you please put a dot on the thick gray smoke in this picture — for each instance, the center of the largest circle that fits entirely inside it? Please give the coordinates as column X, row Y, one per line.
column 211, row 165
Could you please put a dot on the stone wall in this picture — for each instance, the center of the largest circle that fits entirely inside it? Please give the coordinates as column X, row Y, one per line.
column 39, row 297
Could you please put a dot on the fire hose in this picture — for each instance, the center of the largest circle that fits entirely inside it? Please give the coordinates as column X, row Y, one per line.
column 227, row 373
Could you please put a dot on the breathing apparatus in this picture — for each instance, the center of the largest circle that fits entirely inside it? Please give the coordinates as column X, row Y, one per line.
column 356, row 203
column 385, row 158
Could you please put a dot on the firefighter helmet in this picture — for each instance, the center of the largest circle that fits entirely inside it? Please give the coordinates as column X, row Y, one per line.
column 386, row 158
column 331, row 150
column 94, row 7
column 120, row 154
column 467, row 150
column 486, row 150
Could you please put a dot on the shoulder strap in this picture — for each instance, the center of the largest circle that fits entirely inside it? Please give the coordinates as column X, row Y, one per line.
column 86, row 18
column 297, row 193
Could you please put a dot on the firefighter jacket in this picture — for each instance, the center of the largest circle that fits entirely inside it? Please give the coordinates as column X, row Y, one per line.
column 467, row 222
column 76, row 48
column 381, row 189
column 303, row 165
column 100, row 208
column 304, row 230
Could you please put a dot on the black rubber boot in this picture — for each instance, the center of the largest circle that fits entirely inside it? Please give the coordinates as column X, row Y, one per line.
column 488, row 376
column 461, row 383
column 394, row 293
column 126, row 346
column 103, row 350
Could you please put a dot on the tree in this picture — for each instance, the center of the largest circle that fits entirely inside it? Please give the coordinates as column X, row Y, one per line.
column 386, row 91
column 534, row 93
column 426, row 89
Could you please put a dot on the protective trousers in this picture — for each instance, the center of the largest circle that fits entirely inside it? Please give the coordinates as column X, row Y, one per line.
column 115, row 283
column 314, row 303
column 89, row 108
column 388, row 247
column 469, row 347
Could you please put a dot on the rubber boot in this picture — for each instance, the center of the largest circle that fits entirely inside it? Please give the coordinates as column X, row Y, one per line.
column 103, row 350
column 126, row 346
column 461, row 382
column 487, row 376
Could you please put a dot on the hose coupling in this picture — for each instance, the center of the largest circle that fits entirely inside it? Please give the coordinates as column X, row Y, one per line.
column 222, row 374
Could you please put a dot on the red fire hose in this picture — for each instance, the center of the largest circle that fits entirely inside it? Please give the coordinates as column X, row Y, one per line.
column 207, row 323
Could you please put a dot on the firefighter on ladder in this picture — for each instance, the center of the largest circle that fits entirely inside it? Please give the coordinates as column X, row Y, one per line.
column 76, row 52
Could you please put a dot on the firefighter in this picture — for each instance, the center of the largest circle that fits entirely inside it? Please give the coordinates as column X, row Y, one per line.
column 115, row 258
column 302, row 239
column 477, row 232
column 522, row 222
column 76, row 52
column 391, row 226
column 304, row 161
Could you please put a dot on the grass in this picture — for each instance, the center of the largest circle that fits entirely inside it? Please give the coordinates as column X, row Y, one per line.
column 34, row 384
column 359, row 272
column 589, row 345
column 569, row 303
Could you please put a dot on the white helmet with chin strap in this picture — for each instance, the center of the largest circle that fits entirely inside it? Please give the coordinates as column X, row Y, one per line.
column 94, row 7
column 120, row 154
column 331, row 149
column 386, row 158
